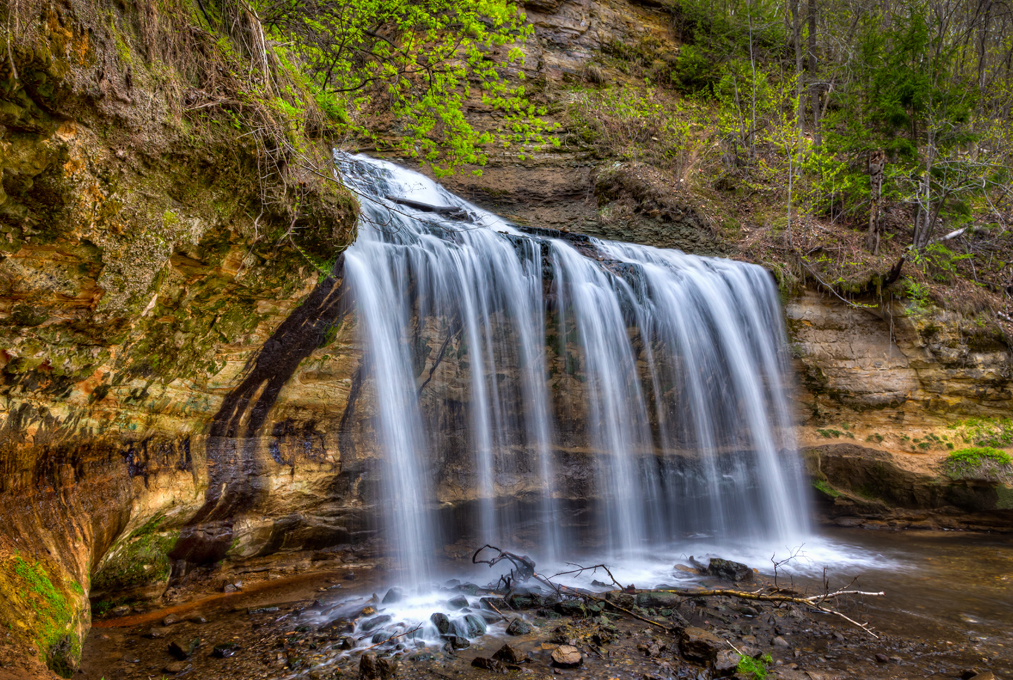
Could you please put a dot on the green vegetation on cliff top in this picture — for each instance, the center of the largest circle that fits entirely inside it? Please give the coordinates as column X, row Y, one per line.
column 980, row 463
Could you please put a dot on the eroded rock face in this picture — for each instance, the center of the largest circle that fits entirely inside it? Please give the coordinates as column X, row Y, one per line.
column 135, row 283
column 895, row 369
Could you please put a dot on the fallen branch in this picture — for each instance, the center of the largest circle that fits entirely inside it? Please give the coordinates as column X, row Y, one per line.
column 393, row 637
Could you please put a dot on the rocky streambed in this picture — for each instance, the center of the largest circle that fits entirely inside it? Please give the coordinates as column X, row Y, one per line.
column 342, row 622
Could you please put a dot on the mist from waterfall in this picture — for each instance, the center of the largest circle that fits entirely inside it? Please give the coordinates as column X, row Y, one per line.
column 662, row 371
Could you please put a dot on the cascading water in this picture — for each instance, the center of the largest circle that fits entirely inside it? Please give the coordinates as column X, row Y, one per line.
column 637, row 392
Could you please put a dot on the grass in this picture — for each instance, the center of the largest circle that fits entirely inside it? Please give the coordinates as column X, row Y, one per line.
column 980, row 462
column 993, row 432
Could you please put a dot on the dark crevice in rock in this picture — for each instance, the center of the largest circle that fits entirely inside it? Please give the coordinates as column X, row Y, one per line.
column 235, row 473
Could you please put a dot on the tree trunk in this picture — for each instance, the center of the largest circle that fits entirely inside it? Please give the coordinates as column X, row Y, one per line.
column 796, row 28
column 877, row 163
column 814, row 88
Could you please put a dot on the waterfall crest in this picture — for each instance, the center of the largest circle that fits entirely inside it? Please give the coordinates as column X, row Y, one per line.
column 631, row 395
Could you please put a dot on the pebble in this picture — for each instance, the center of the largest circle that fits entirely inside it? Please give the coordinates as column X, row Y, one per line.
column 170, row 620
column 882, row 658
column 780, row 642
column 176, row 667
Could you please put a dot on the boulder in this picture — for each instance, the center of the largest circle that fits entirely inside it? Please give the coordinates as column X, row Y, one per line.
column 467, row 589
column 621, row 599
column 456, row 641
column 375, row 622
column 387, row 667
column 518, row 627
column 736, row 572
column 508, row 654
column 525, row 601
column 393, row 596
column 367, row 668
column 658, row 600
column 474, row 626
column 442, row 622
column 459, row 602
column 566, row 656
column 700, row 645
column 574, row 608
column 487, row 664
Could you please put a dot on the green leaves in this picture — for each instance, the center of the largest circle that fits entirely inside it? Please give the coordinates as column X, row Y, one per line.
column 401, row 73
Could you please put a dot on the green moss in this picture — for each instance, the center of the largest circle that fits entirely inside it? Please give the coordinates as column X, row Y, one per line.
column 980, row 463
column 45, row 611
column 138, row 560
column 825, row 488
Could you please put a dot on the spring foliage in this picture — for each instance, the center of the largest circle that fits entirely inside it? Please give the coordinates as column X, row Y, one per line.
column 399, row 73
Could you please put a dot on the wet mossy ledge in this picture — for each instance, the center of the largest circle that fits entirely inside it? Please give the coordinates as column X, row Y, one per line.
column 160, row 217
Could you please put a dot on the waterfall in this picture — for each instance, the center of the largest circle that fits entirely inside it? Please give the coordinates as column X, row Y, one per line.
column 628, row 395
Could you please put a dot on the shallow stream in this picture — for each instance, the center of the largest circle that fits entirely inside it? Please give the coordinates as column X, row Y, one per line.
column 947, row 608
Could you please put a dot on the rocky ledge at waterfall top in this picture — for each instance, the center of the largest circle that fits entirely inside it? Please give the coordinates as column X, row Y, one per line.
column 153, row 351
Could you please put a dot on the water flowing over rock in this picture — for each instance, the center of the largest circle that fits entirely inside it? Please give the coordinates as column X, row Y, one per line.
column 557, row 368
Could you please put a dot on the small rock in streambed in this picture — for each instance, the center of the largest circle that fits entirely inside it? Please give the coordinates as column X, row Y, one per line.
column 566, row 656
column 122, row 610
column 157, row 633
column 196, row 618
column 487, row 664
column 651, row 649
column 780, row 642
column 233, row 587
column 170, row 620
column 176, row 667
column 183, row 649
column 224, row 650
column 736, row 572
column 882, row 658
column 456, row 641
column 726, row 662
column 393, row 596
column 508, row 654
column 698, row 644
column 518, row 627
